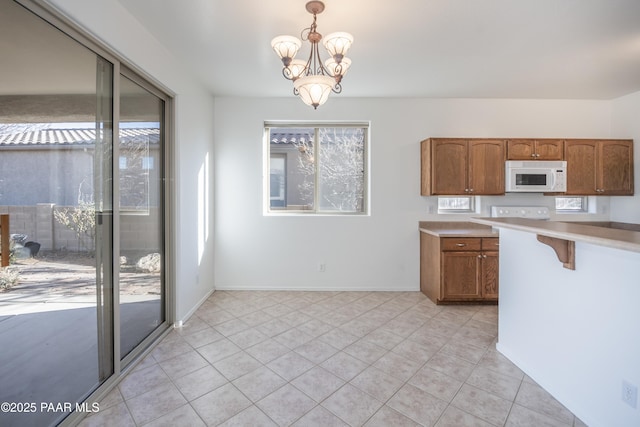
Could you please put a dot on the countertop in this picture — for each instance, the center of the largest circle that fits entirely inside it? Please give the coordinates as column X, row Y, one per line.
column 456, row 229
column 575, row 231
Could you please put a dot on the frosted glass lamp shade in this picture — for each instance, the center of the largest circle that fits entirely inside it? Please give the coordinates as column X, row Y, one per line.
column 286, row 47
column 337, row 44
column 335, row 68
column 297, row 68
column 314, row 90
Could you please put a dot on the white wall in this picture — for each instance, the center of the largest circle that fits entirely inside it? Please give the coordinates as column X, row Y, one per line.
column 111, row 23
column 575, row 332
column 626, row 124
column 380, row 251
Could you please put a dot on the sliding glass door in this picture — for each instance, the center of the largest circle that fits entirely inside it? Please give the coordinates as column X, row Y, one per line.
column 82, row 142
column 56, row 167
column 140, row 164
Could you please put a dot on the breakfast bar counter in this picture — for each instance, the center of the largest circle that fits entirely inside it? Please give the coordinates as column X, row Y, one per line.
column 573, row 326
column 624, row 237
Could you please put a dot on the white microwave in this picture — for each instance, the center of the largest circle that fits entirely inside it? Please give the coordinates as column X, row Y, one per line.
column 535, row 176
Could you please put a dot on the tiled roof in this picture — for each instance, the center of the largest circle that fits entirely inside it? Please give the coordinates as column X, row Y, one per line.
column 290, row 136
column 70, row 137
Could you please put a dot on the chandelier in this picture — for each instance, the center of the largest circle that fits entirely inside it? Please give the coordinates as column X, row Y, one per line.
column 312, row 79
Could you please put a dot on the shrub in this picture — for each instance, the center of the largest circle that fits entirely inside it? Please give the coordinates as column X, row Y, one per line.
column 9, row 276
column 82, row 220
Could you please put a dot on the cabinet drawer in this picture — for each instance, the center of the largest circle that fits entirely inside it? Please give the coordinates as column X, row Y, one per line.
column 490, row 244
column 461, row 244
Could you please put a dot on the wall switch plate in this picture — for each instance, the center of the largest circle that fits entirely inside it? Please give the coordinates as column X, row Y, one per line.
column 630, row 394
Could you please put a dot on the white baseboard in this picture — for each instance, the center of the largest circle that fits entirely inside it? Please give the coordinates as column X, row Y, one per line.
column 195, row 308
column 317, row 289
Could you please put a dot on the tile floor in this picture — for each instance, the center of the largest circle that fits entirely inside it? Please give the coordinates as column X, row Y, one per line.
column 330, row 359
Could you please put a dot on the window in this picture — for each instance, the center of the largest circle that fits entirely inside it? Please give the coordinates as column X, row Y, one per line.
column 455, row 204
column 316, row 169
column 277, row 180
column 571, row 204
column 147, row 163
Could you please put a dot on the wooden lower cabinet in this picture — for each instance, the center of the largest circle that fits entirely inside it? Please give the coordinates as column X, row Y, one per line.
column 457, row 270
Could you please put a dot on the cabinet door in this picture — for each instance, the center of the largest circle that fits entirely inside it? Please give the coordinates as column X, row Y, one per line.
column 520, row 149
column 490, row 273
column 461, row 275
column 581, row 157
column 486, row 166
column 615, row 167
column 449, row 160
column 538, row 149
column 549, row 149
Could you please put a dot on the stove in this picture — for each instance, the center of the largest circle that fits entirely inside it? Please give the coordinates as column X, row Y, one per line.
column 529, row 212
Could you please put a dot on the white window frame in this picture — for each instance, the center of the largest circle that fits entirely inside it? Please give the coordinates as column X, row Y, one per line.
column 584, row 205
column 452, row 209
column 315, row 211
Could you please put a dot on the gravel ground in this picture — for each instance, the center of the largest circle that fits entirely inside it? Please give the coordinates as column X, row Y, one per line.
column 75, row 274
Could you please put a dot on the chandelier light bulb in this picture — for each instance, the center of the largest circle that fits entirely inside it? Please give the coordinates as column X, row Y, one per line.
column 296, row 69
column 314, row 90
column 335, row 69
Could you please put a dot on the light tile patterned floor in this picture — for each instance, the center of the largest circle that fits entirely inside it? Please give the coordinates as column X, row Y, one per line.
column 330, row 359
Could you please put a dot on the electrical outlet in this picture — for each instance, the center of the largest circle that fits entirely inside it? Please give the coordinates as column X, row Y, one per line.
column 629, row 394
column 322, row 267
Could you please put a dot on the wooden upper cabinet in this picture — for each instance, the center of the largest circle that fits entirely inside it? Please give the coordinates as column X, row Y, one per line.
column 449, row 164
column 486, row 166
column 462, row 166
column 599, row 167
column 535, row 149
column 616, row 165
column 581, row 166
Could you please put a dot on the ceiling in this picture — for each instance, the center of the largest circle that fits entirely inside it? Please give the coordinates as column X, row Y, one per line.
column 566, row 49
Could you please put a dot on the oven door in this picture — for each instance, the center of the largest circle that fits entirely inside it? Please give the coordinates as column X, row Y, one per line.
column 529, row 180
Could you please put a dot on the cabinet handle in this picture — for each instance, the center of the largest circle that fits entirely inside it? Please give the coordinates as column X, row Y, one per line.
column 484, row 256
column 533, row 154
column 471, row 190
column 460, row 245
column 479, row 256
